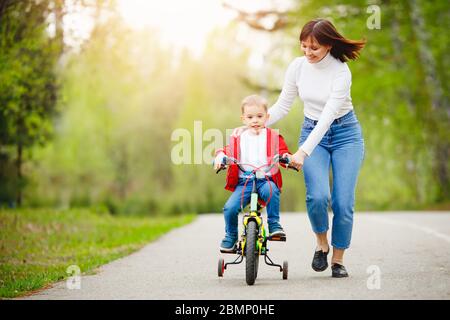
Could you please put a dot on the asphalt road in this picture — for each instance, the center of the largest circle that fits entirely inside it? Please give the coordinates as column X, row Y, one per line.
column 401, row 255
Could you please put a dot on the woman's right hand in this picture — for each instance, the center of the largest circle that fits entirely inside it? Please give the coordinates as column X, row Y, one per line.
column 298, row 158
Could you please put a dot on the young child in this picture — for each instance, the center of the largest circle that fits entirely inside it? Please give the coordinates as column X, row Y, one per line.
column 256, row 146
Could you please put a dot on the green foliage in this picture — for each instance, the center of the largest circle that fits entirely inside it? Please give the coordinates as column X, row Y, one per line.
column 124, row 94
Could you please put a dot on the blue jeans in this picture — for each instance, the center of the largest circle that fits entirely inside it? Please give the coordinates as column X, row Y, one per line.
column 342, row 147
column 233, row 205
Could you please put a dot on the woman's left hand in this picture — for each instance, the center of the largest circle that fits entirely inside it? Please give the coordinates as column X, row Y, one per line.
column 298, row 158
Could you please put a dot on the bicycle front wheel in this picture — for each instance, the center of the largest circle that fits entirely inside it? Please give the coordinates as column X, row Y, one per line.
column 251, row 253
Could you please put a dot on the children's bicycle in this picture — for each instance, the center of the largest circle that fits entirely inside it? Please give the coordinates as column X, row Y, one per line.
column 253, row 241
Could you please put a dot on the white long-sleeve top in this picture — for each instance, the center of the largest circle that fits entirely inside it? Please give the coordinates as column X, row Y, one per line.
column 324, row 88
column 253, row 151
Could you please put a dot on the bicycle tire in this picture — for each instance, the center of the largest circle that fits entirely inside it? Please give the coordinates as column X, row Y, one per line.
column 221, row 267
column 285, row 270
column 251, row 254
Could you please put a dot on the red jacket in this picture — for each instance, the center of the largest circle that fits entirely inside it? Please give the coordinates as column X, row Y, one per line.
column 275, row 145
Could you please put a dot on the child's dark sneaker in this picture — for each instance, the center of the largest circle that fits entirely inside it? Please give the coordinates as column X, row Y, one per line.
column 276, row 231
column 228, row 244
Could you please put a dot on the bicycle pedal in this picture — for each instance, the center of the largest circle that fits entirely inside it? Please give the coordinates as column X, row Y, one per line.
column 232, row 252
column 277, row 238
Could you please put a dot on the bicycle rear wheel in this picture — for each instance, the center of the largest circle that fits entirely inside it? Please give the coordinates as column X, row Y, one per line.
column 251, row 253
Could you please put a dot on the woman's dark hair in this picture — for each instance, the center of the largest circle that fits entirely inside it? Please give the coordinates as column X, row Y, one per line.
column 326, row 34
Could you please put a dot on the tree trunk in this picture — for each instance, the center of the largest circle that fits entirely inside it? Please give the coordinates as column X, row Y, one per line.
column 122, row 177
column 19, row 174
column 3, row 6
column 439, row 104
column 427, row 59
column 406, row 95
column 398, row 46
column 59, row 25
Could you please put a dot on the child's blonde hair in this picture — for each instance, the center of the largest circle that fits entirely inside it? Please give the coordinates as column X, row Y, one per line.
column 253, row 100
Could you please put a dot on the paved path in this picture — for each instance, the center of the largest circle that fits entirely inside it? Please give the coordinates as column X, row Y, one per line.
column 411, row 252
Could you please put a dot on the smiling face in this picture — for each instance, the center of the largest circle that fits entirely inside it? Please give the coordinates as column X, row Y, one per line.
column 254, row 117
column 313, row 50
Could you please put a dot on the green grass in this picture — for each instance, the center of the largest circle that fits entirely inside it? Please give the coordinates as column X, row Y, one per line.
column 37, row 245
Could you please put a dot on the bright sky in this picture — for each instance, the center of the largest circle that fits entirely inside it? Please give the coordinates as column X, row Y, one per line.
column 186, row 23
column 180, row 22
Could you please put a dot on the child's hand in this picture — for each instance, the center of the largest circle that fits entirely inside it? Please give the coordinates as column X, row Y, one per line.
column 217, row 165
column 287, row 155
column 218, row 161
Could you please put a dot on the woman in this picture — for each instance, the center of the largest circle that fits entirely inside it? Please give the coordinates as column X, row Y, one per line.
column 330, row 136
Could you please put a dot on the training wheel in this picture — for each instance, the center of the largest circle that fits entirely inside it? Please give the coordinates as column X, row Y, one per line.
column 221, row 267
column 285, row 270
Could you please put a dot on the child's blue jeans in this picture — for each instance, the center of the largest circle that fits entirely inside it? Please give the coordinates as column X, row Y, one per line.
column 342, row 148
column 233, row 205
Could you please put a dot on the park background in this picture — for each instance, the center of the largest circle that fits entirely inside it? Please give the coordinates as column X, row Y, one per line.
column 91, row 93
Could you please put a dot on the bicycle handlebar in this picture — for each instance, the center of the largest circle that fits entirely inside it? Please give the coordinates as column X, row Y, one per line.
column 285, row 160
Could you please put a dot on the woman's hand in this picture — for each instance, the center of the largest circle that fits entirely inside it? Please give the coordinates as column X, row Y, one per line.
column 298, row 158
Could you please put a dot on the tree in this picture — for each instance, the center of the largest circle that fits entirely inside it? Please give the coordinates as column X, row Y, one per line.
column 28, row 83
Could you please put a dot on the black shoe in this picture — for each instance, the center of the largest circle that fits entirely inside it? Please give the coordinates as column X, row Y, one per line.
column 338, row 271
column 320, row 262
